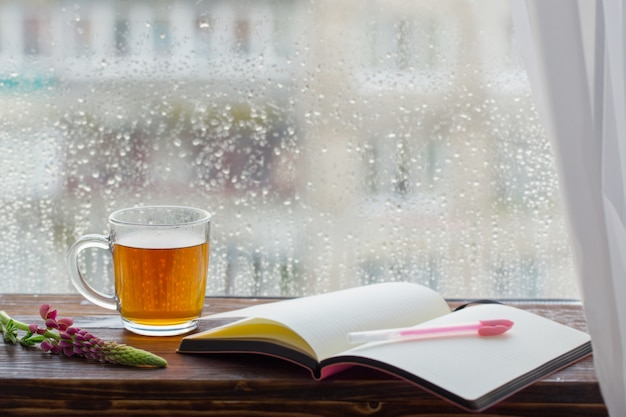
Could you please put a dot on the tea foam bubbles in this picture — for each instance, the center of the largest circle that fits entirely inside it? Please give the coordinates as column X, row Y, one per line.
column 160, row 239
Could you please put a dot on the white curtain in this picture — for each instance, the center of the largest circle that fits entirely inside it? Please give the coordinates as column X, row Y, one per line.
column 575, row 54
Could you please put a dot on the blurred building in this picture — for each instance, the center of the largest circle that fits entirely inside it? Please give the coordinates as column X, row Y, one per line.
column 339, row 143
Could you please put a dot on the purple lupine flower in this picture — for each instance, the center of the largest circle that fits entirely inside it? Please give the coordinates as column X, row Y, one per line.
column 64, row 323
column 59, row 336
column 46, row 312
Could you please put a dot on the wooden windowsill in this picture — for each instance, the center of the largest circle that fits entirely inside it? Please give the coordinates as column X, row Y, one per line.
column 35, row 383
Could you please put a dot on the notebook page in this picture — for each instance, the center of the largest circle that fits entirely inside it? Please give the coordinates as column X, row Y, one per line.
column 324, row 320
column 472, row 366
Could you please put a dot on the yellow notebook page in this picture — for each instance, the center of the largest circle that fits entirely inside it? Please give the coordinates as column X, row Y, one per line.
column 260, row 330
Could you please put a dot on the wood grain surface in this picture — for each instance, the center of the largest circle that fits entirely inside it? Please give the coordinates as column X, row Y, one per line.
column 33, row 383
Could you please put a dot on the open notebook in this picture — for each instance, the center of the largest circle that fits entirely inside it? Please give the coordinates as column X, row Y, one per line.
column 471, row 371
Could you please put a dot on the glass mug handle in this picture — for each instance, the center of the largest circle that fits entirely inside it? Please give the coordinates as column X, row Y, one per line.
column 76, row 275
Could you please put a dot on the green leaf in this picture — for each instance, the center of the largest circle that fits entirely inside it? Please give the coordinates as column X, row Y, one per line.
column 10, row 332
column 32, row 339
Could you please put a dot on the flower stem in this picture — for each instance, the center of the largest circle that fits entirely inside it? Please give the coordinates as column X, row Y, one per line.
column 5, row 319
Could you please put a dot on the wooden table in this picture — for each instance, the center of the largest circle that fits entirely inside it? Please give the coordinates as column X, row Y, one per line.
column 34, row 383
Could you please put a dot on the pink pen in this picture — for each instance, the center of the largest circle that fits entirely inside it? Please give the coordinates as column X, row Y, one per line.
column 480, row 328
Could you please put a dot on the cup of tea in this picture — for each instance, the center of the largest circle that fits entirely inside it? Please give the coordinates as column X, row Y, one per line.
column 160, row 259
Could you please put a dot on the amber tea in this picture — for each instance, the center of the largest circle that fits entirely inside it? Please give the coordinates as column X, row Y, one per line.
column 160, row 280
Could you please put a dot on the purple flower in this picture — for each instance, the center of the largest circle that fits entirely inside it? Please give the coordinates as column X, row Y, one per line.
column 46, row 312
column 43, row 311
column 64, row 323
column 60, row 337
column 51, row 347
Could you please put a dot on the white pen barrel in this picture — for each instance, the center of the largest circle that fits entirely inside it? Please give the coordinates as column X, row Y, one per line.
column 371, row 336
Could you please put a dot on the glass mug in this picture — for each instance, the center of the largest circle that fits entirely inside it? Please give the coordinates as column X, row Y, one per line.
column 161, row 259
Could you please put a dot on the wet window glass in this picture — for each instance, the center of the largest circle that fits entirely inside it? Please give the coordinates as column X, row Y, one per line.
column 336, row 143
